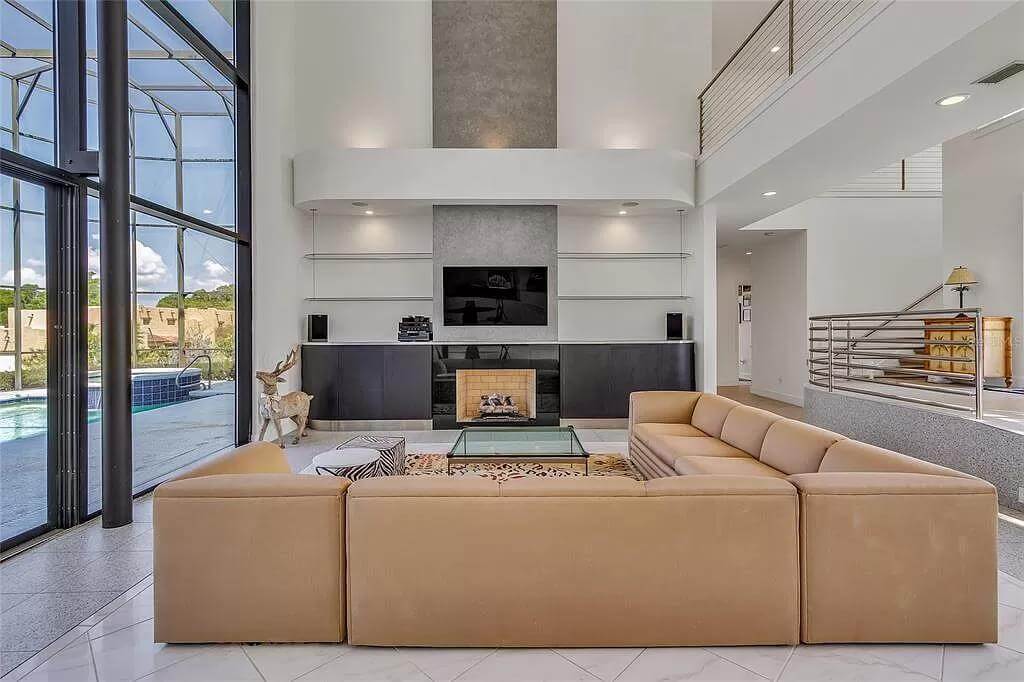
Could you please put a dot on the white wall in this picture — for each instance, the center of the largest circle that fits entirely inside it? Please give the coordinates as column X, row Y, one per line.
column 363, row 74
column 862, row 255
column 629, row 72
column 983, row 225
column 371, row 277
column 731, row 23
column 280, row 236
column 733, row 270
column 866, row 254
column 779, row 330
column 700, row 234
column 597, row 320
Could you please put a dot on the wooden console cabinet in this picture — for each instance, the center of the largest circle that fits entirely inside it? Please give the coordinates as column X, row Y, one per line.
column 998, row 339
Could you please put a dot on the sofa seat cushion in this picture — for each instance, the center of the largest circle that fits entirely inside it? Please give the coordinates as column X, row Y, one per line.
column 668, row 448
column 646, row 431
column 733, row 466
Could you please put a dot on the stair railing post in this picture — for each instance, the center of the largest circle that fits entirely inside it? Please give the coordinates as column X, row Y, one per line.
column 830, row 355
column 979, row 364
column 849, row 357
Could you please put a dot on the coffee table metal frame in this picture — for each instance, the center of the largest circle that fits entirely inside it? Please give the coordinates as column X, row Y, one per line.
column 583, row 457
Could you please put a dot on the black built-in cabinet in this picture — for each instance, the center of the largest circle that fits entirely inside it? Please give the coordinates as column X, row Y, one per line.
column 371, row 382
column 598, row 378
column 417, row 381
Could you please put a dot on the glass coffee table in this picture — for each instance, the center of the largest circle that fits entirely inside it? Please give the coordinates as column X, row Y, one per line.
column 511, row 444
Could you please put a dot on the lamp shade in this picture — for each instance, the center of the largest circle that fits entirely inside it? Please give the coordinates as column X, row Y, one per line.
column 961, row 276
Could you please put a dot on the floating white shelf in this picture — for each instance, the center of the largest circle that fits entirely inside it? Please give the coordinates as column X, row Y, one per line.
column 369, row 256
column 369, row 298
column 681, row 255
column 596, row 297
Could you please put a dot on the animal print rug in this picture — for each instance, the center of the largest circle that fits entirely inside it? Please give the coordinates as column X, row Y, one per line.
column 428, row 464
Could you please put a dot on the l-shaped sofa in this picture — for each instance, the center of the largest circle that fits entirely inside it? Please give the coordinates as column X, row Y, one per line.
column 751, row 529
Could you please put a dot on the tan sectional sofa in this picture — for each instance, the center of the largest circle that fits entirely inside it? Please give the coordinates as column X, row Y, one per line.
column 893, row 549
column 751, row 530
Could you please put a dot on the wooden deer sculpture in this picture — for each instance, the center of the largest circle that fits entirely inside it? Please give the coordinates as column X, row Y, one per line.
column 275, row 407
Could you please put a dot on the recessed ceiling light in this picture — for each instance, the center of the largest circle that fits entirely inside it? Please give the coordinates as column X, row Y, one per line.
column 623, row 212
column 207, row 211
column 769, row 193
column 775, row 48
column 368, row 211
column 749, row 252
column 953, row 99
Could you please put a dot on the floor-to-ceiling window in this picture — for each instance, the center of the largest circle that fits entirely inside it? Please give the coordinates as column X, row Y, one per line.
column 188, row 140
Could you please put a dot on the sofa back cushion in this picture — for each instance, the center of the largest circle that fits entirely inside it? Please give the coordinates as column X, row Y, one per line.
column 796, row 448
column 745, row 428
column 852, row 455
column 710, row 413
column 537, row 533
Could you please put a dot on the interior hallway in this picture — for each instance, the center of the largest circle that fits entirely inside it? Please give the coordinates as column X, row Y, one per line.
column 742, row 394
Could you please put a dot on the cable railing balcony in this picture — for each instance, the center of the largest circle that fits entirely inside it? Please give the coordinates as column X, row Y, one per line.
column 791, row 35
column 926, row 357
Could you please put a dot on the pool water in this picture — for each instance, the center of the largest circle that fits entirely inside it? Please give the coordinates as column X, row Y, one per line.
column 27, row 418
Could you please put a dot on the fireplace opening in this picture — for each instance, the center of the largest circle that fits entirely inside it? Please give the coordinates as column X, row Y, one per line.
column 495, row 396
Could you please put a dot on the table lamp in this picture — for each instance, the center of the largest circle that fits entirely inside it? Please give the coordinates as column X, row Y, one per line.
column 960, row 279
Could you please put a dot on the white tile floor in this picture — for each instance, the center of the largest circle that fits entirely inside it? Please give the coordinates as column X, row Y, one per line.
column 117, row 644
column 91, row 591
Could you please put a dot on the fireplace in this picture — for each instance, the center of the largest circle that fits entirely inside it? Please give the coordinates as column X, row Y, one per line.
column 489, row 396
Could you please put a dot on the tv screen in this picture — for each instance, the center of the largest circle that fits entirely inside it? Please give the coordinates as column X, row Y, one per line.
column 495, row 296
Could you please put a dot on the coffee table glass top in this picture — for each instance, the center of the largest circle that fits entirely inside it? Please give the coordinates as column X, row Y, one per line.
column 512, row 441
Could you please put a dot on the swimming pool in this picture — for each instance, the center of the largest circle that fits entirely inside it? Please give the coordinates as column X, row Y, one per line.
column 26, row 417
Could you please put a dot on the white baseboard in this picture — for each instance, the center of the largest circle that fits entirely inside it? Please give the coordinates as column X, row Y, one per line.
column 797, row 400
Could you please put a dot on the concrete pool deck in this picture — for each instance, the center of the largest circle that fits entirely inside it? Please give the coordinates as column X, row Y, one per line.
column 165, row 439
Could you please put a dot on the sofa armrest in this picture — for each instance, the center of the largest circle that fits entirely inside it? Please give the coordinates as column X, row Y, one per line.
column 662, row 407
column 888, row 483
column 253, row 458
column 249, row 558
column 894, row 557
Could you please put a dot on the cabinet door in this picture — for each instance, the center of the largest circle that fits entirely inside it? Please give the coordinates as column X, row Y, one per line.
column 935, row 347
column 675, row 367
column 634, row 368
column 585, row 380
column 385, row 382
column 321, row 378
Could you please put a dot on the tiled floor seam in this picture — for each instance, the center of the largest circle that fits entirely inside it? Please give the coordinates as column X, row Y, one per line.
column 253, row 663
column 199, row 649
column 344, row 650
column 630, row 665
column 464, row 672
column 566, row 658
column 738, row 665
column 782, row 670
column 942, row 663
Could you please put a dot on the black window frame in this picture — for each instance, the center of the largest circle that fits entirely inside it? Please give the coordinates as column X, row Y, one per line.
column 68, row 183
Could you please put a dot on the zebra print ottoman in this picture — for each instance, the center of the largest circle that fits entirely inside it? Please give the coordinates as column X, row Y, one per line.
column 369, row 456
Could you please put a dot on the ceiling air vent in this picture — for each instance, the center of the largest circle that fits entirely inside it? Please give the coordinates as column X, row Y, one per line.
column 1011, row 69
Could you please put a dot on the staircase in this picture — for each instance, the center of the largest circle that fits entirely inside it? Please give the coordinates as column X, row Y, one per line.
column 888, row 352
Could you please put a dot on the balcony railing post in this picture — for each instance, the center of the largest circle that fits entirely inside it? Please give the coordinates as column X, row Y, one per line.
column 700, row 124
column 791, row 41
column 830, row 356
column 979, row 364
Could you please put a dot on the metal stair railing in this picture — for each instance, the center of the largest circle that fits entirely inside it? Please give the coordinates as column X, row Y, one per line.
column 957, row 360
column 209, row 372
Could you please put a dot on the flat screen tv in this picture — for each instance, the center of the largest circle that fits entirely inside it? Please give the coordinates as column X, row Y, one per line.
column 475, row 296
